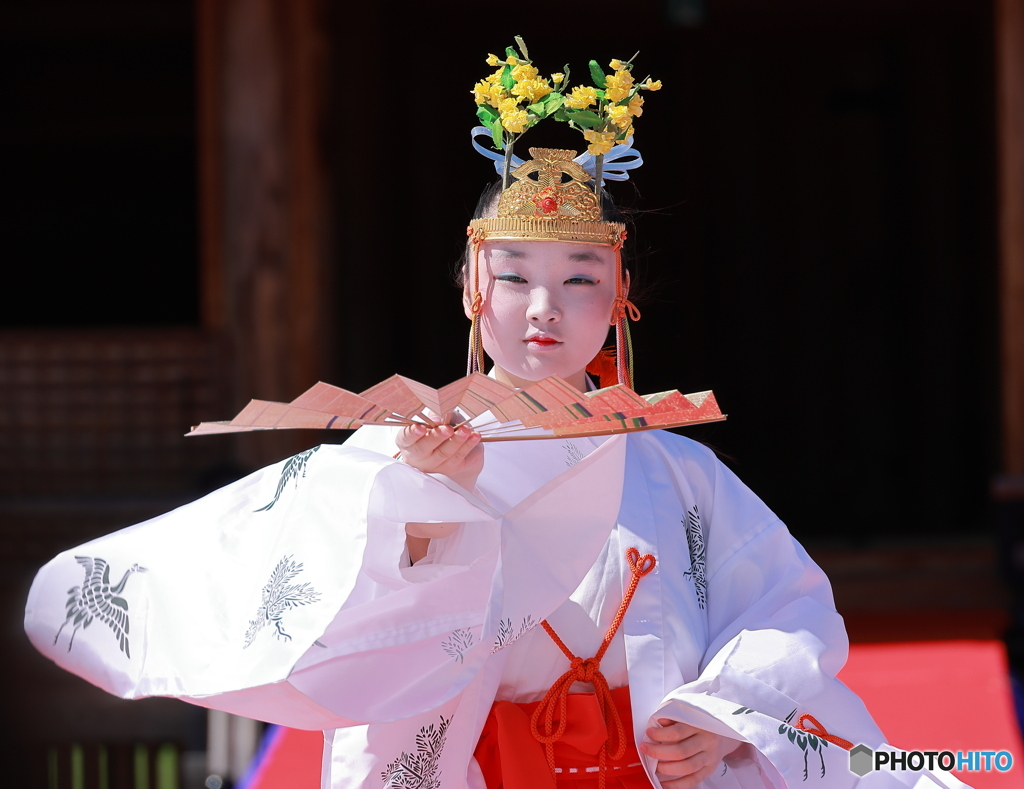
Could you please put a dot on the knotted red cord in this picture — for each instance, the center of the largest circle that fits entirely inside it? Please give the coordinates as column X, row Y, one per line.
column 475, row 361
column 623, row 306
column 819, row 731
column 589, row 670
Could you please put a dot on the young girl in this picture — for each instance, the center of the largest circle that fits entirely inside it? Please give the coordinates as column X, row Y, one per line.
column 617, row 610
column 548, row 304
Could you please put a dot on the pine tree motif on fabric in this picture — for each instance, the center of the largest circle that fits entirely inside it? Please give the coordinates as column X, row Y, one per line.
column 419, row 770
column 507, row 636
column 293, row 468
column 279, row 597
column 698, row 557
column 458, row 643
column 97, row 599
column 573, row 454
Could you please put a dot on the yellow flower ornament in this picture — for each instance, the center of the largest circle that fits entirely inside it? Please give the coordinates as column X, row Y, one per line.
column 482, row 92
column 620, row 115
column 618, row 86
column 532, row 90
column 582, row 96
column 524, row 72
column 605, row 111
column 515, row 122
column 515, row 98
column 600, row 142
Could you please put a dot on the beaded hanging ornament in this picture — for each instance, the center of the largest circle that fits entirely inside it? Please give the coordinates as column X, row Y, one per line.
column 556, row 195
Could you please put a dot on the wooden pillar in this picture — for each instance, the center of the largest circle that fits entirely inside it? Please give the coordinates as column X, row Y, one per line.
column 210, row 155
column 266, row 273
column 1009, row 30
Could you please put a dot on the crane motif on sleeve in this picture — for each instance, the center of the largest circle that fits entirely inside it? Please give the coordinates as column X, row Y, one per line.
column 97, row 599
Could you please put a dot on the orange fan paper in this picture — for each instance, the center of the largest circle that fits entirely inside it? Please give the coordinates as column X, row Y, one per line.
column 550, row 408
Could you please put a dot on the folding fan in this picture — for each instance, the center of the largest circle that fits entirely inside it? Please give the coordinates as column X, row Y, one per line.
column 549, row 408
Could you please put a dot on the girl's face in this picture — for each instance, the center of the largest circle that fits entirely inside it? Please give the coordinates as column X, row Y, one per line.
column 546, row 307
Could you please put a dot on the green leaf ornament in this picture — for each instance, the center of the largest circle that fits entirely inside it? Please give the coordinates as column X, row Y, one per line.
column 553, row 101
column 584, row 118
column 565, row 79
column 497, row 133
column 507, row 82
column 486, row 113
column 547, row 105
column 597, row 74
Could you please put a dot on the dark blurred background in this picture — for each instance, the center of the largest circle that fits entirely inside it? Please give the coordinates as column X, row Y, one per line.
column 224, row 199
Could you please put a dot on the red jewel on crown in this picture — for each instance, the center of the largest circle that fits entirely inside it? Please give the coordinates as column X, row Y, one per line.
column 546, row 202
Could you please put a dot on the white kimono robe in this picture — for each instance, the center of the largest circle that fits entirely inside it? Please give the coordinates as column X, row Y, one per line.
column 286, row 596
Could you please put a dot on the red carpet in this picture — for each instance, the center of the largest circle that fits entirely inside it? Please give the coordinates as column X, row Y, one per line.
column 940, row 695
column 291, row 761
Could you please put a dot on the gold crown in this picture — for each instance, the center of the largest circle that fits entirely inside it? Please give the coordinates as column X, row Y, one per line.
column 549, row 201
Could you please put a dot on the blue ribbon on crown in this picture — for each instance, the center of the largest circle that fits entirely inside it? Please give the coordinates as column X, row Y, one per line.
column 617, row 162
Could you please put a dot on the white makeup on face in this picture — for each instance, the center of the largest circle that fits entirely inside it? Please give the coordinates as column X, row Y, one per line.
column 547, row 306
